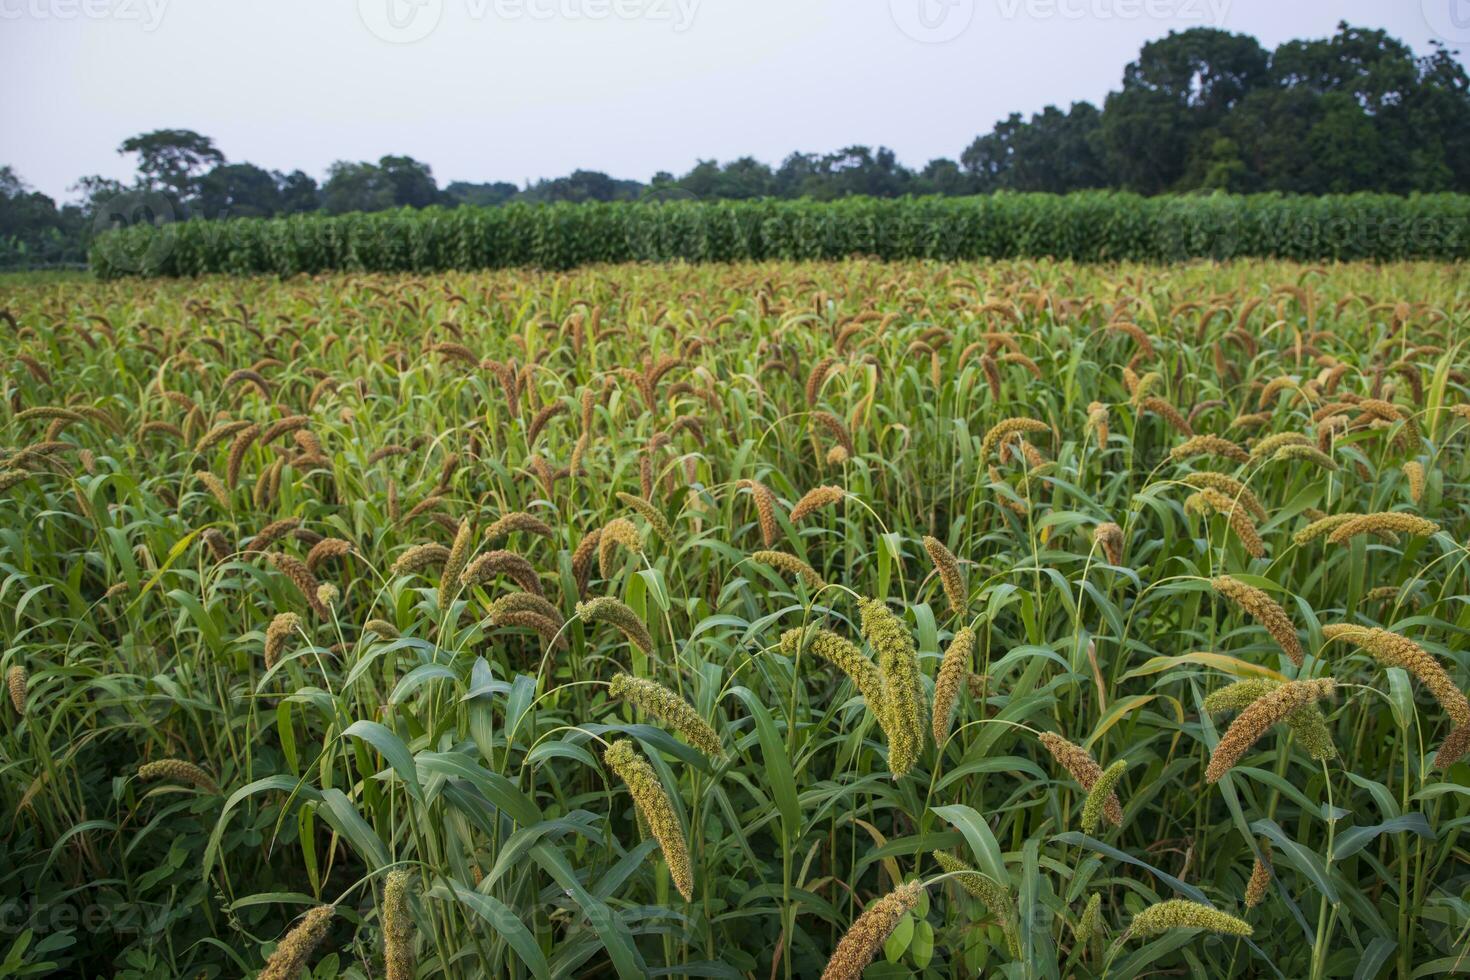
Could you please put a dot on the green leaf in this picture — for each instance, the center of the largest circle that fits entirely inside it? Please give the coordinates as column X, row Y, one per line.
column 500, row 918
column 392, row 748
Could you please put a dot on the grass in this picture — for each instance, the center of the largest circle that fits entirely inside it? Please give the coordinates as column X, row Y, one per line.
column 177, row 803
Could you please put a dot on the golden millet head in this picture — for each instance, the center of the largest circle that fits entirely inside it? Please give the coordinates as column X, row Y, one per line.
column 397, row 927
column 870, row 931
column 952, row 672
column 648, row 795
column 16, row 679
column 291, row 955
column 1100, row 795
column 672, row 710
column 1178, row 913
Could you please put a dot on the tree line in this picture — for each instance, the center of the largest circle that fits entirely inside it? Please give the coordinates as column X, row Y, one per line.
column 1198, row 111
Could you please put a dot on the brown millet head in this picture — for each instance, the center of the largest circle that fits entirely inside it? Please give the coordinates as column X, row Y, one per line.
column 1230, row 487
column 1455, row 745
column 492, row 563
column 295, row 569
column 1390, row 521
column 276, row 635
column 244, row 439
column 953, row 670
column 419, row 557
column 1109, row 537
column 273, row 532
column 1208, row 499
column 1006, row 428
column 1097, row 421
column 1260, row 879
column 459, row 555
column 948, row 568
column 765, row 510
column 814, row 500
column 1264, row 610
column 1084, row 768
column 16, row 679
column 607, row 609
column 618, row 531
column 582, row 557
column 1414, row 474
column 1393, row 650
column 1167, row 412
column 870, row 931
column 1208, row 445
column 791, row 565
column 517, row 522
column 325, row 550
column 291, row 955
column 1257, row 719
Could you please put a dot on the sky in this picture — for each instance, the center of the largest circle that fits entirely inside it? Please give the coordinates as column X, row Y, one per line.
column 521, row 89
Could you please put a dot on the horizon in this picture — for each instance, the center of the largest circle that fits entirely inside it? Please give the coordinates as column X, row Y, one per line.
column 674, row 89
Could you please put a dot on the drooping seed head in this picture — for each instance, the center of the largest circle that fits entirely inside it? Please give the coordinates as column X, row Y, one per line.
column 1264, row 610
column 791, row 565
column 397, row 927
column 1178, row 913
column 898, row 662
column 607, row 609
column 16, row 679
column 649, row 797
column 618, row 532
column 1259, row 716
column 179, row 771
column 277, row 633
column 949, row 574
column 814, row 500
column 1392, row 650
column 1260, row 879
column 1100, row 795
column 952, row 671
column 293, row 952
column 660, row 702
column 1084, row 768
column 870, row 931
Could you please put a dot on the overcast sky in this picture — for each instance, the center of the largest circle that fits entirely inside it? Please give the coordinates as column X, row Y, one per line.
column 518, row 89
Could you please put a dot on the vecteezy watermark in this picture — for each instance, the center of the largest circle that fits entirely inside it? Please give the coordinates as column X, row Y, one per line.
column 131, row 209
column 148, row 13
column 1449, row 19
column 400, row 21
column 407, row 21
column 1202, row 12
column 932, row 21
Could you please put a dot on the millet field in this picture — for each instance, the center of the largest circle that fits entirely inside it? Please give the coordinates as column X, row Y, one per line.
column 766, row 620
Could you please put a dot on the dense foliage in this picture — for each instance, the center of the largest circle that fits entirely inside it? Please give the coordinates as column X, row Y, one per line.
column 1201, row 110
column 272, row 554
column 1087, row 226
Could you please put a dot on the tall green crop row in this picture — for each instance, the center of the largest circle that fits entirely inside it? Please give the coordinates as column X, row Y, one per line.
column 1087, row 227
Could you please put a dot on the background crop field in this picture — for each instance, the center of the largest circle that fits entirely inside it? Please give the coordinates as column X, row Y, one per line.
column 348, row 596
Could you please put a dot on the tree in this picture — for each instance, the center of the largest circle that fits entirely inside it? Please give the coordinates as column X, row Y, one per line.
column 355, row 187
column 412, row 182
column 1180, row 87
column 238, row 190
column 481, row 195
column 584, row 185
column 943, row 176
column 297, row 192
column 32, row 231
column 171, row 159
